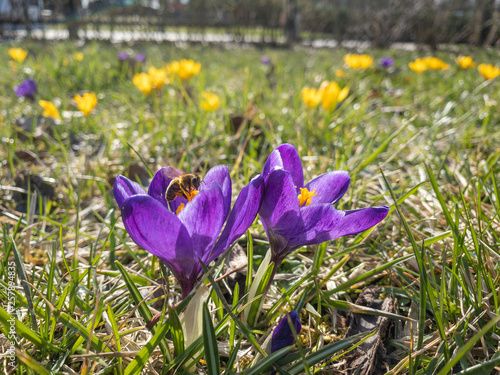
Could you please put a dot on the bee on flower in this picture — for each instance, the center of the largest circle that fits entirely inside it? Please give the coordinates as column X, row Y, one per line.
column 18, row 54
column 358, row 62
column 489, row 71
column 210, row 101
column 465, row 62
column 86, row 102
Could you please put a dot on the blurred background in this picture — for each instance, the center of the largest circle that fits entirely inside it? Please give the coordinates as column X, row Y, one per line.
column 279, row 22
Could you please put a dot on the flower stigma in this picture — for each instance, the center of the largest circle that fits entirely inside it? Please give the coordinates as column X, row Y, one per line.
column 305, row 196
column 189, row 196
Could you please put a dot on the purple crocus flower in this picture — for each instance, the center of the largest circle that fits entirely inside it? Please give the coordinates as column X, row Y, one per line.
column 181, row 232
column 27, row 89
column 283, row 335
column 265, row 60
column 122, row 56
column 295, row 214
column 386, row 62
column 140, row 58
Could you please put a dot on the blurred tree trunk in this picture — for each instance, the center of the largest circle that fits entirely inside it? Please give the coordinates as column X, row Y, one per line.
column 490, row 38
column 484, row 8
column 291, row 23
column 73, row 7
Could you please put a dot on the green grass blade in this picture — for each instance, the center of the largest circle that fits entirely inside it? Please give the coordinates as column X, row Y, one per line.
column 210, row 343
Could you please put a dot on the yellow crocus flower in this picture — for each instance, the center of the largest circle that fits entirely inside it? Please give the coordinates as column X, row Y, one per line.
column 143, row 82
column 435, row 63
column 78, row 56
column 339, row 73
column 158, row 77
column 332, row 94
column 418, row 66
column 465, row 62
column 86, row 102
column 18, row 54
column 489, row 71
column 49, row 110
column 311, row 97
column 355, row 61
column 184, row 69
column 210, row 101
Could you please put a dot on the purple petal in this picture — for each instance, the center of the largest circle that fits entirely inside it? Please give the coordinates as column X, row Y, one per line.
column 279, row 211
column 153, row 227
column 159, row 185
column 283, row 335
column 220, row 176
column 242, row 216
column 287, row 157
column 124, row 188
column 203, row 218
column 357, row 221
column 317, row 223
column 330, row 186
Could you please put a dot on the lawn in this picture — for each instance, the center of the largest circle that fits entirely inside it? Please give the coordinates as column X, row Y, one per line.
column 82, row 292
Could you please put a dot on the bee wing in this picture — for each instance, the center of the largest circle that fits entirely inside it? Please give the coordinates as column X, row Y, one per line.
column 174, row 173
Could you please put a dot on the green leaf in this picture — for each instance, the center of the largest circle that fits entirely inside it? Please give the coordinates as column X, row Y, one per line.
column 468, row 346
column 176, row 331
column 266, row 363
column 141, row 359
column 210, row 343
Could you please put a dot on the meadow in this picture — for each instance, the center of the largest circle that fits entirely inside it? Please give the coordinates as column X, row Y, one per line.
column 82, row 293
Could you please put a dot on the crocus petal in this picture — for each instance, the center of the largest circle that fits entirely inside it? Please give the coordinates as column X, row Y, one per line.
column 160, row 183
column 279, row 211
column 203, row 218
column 124, row 188
column 357, row 221
column 153, row 227
column 317, row 224
column 287, row 157
column 220, row 176
column 242, row 216
column 283, row 335
column 330, row 186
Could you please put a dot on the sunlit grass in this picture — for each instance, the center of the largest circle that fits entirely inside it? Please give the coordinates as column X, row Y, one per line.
column 428, row 140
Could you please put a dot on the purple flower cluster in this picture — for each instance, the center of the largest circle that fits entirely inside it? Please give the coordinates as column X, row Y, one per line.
column 180, row 237
column 125, row 56
column 386, row 62
column 27, row 89
column 294, row 214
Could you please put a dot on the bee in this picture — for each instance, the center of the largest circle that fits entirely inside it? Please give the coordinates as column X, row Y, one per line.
column 182, row 184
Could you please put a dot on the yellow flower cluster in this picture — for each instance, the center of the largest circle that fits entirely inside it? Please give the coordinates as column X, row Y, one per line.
column 18, row 54
column 184, row 69
column 210, row 101
column 465, row 62
column 433, row 63
column 86, row 102
column 489, row 71
column 329, row 94
column 355, row 61
column 49, row 109
column 153, row 79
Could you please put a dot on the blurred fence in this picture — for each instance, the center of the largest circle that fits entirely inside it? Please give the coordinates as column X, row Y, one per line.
column 380, row 22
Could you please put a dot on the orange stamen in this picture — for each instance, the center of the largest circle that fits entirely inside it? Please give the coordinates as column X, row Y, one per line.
column 305, row 196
